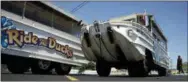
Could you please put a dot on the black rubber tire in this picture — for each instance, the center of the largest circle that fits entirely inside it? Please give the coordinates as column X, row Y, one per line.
column 103, row 69
column 86, row 36
column 18, row 65
column 162, row 71
column 35, row 69
column 138, row 69
column 62, row 71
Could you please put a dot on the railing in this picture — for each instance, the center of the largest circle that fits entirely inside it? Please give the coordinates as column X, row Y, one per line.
column 138, row 26
column 143, row 29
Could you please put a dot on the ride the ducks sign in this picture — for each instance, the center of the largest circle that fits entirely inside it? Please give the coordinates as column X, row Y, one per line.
column 11, row 36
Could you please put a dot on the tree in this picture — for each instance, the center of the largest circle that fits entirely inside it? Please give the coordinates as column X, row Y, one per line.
column 185, row 67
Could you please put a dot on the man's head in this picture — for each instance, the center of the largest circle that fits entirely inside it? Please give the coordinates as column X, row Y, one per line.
column 179, row 56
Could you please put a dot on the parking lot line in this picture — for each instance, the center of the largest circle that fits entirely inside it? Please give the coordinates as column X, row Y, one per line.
column 72, row 78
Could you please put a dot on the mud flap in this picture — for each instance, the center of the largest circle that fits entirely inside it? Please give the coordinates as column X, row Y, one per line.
column 86, row 36
column 110, row 35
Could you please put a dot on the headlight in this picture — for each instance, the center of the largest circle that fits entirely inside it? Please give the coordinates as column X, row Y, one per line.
column 130, row 33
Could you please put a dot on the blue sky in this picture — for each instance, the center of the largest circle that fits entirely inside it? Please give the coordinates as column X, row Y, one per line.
column 171, row 16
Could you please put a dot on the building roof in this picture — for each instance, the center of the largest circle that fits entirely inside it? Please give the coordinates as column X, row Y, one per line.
column 61, row 11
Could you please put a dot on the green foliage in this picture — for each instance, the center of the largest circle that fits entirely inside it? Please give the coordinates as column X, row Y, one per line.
column 90, row 65
column 185, row 67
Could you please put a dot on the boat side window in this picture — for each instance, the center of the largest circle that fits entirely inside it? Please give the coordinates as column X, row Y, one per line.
column 133, row 20
column 158, row 39
column 150, row 23
column 15, row 7
column 39, row 13
column 66, row 24
column 164, row 44
column 155, row 37
column 140, row 20
column 43, row 14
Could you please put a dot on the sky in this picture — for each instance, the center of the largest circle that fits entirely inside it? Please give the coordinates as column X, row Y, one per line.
column 171, row 17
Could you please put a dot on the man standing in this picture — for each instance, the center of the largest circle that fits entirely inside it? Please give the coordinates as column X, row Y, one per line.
column 179, row 65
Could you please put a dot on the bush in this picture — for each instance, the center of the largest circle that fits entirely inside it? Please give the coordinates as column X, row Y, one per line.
column 185, row 67
column 90, row 65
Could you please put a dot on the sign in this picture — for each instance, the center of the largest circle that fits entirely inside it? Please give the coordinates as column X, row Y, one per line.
column 11, row 36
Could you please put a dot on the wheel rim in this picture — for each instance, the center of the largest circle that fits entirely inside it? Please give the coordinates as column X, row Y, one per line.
column 64, row 67
column 44, row 64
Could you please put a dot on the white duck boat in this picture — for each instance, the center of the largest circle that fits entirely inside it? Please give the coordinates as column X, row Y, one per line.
column 126, row 42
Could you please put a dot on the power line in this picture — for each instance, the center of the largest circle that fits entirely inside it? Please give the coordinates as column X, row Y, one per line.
column 79, row 6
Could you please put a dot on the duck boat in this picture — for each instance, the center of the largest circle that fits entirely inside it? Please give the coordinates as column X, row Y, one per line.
column 133, row 42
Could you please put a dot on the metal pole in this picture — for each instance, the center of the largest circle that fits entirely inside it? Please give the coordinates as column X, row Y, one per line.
column 72, row 32
column 52, row 19
column 23, row 13
column 151, row 24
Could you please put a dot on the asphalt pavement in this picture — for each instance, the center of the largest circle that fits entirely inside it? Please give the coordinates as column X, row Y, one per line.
column 6, row 76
